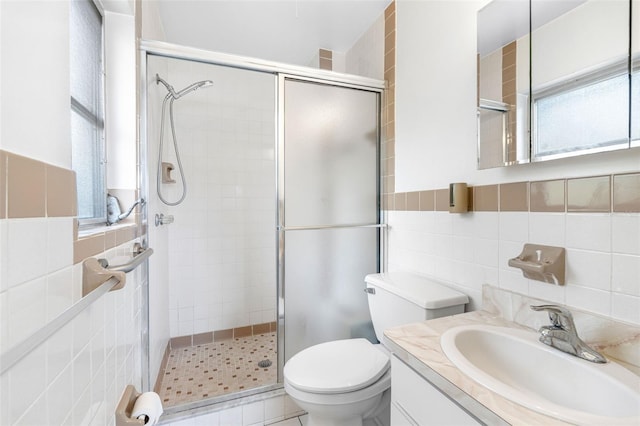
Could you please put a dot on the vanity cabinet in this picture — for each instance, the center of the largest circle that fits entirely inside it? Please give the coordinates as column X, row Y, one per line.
column 416, row 402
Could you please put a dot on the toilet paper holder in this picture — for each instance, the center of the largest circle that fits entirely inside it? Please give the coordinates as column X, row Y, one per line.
column 125, row 407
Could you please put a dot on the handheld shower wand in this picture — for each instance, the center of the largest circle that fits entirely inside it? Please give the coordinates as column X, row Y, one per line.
column 172, row 96
column 188, row 89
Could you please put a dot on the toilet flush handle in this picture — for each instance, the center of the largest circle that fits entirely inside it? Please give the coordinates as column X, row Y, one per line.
column 370, row 290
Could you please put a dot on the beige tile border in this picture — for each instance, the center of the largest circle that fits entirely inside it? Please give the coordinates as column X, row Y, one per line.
column 413, row 201
column 61, row 192
column 514, row 197
column 32, row 188
column 626, row 193
column 26, row 187
column 590, row 194
column 427, row 200
column 485, row 198
column 547, row 196
column 221, row 335
column 442, row 200
column 3, row 184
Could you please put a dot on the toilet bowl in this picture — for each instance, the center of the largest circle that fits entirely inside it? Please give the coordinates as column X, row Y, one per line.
column 340, row 383
column 348, row 382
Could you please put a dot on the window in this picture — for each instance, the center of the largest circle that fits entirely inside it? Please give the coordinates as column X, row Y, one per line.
column 87, row 110
column 559, row 115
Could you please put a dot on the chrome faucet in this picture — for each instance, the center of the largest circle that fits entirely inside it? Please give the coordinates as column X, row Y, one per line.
column 562, row 334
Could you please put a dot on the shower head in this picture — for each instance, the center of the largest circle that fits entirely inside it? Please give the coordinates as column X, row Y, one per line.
column 194, row 86
column 188, row 89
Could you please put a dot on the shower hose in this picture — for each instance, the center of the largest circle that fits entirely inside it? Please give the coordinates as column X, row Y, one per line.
column 175, row 147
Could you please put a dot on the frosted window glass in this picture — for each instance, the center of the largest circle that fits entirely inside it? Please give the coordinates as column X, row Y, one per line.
column 86, row 160
column 87, row 116
column 331, row 151
column 324, row 291
column 559, row 119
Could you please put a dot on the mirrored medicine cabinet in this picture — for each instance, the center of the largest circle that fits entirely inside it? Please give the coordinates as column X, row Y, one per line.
column 557, row 79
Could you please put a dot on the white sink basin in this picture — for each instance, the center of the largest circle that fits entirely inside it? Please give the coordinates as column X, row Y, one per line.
column 514, row 364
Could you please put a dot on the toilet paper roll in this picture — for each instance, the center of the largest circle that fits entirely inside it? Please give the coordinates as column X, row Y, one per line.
column 148, row 408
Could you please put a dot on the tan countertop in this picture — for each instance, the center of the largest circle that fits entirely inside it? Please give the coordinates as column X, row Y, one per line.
column 419, row 343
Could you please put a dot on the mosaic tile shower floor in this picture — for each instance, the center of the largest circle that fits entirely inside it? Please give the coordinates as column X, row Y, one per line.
column 218, row 368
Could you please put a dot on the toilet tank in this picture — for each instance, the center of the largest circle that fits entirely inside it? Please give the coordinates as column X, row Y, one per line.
column 397, row 298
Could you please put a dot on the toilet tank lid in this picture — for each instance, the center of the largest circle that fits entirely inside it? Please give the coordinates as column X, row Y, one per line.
column 418, row 289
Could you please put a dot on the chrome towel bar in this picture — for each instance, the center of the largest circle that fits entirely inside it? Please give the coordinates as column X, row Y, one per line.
column 97, row 271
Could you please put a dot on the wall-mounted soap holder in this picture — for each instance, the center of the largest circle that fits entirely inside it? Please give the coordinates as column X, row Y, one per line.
column 541, row 263
column 167, row 168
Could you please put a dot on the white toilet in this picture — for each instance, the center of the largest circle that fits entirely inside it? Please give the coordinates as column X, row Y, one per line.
column 347, row 382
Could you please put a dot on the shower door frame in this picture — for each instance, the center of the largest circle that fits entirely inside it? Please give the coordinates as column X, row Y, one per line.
column 281, row 72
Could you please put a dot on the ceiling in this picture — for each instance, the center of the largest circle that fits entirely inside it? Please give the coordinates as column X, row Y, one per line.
column 288, row 31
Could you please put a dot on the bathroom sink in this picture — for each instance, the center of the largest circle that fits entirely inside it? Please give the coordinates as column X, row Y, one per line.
column 514, row 364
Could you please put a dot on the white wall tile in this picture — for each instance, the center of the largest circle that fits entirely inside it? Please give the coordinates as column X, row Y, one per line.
column 625, row 307
column 27, row 309
column 514, row 226
column 589, row 231
column 588, row 269
column 486, row 225
column 27, row 380
column 59, row 243
column 35, row 413
column 3, row 254
column 26, row 259
column 59, row 352
column 625, row 274
column 547, row 229
column 602, row 254
column 59, row 399
column 589, row 299
column 59, row 292
column 625, row 233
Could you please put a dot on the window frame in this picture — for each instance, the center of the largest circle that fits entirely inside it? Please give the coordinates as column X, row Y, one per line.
column 97, row 121
column 599, row 75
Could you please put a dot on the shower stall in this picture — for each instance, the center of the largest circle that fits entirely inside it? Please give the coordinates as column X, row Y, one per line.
column 267, row 252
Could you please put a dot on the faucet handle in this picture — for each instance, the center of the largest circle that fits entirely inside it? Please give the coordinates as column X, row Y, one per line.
column 558, row 315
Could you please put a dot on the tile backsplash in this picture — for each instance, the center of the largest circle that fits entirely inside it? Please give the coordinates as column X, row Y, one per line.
column 468, row 250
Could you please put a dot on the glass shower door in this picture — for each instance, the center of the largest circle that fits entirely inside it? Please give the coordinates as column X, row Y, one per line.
column 329, row 220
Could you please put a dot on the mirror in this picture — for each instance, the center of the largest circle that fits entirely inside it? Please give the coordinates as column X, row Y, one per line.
column 579, row 77
column 577, row 99
column 635, row 73
column 503, row 83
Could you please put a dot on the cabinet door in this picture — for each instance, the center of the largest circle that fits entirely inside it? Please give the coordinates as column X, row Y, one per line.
column 415, row 401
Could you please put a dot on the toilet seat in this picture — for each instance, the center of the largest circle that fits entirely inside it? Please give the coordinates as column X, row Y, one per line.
column 336, row 367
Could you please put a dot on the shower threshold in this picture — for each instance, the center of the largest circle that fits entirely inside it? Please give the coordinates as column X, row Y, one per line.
column 220, row 368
